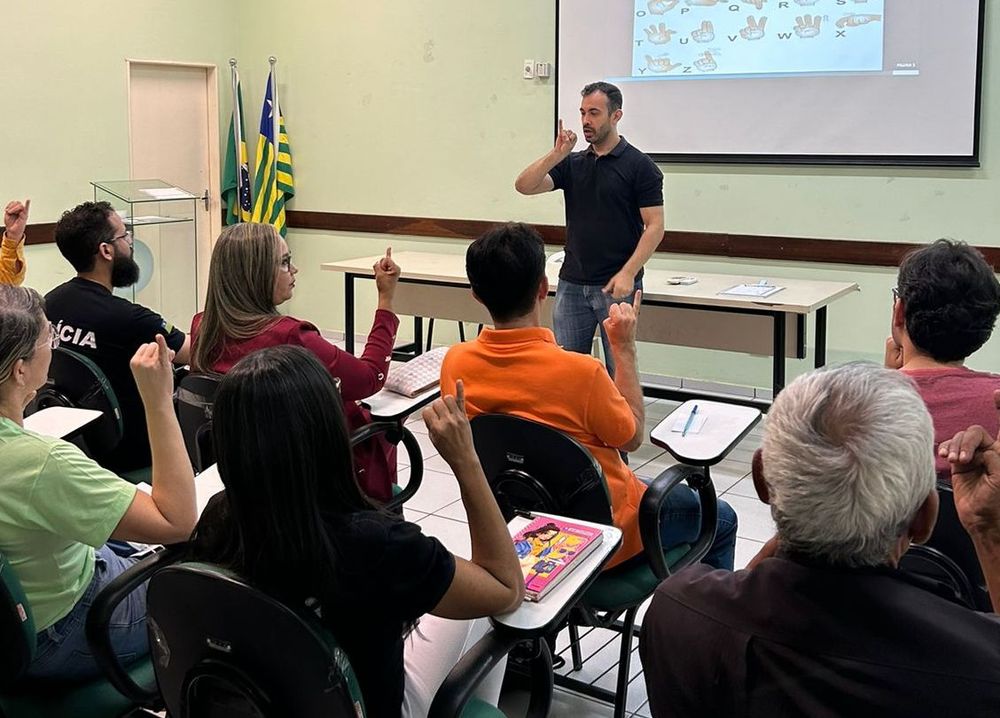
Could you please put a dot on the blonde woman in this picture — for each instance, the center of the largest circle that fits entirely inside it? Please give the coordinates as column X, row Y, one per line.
column 250, row 275
column 58, row 508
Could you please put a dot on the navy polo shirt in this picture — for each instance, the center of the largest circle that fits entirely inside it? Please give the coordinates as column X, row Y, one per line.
column 603, row 197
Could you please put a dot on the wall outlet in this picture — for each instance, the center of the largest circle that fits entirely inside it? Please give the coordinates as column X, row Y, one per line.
column 528, row 72
column 543, row 69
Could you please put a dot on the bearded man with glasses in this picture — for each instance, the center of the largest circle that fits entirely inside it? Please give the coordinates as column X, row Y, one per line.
column 92, row 321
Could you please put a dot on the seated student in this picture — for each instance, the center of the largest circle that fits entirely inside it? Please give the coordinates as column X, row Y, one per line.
column 517, row 368
column 250, row 275
column 827, row 625
column 12, row 265
column 108, row 329
column 294, row 522
column 58, row 508
column 945, row 306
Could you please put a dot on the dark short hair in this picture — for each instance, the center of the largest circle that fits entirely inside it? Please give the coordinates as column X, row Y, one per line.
column 610, row 91
column 505, row 267
column 950, row 297
column 81, row 230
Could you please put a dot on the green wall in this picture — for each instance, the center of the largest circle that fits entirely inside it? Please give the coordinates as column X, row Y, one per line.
column 419, row 109
column 65, row 114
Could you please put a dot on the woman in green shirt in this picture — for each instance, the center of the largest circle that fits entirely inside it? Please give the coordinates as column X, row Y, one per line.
column 58, row 508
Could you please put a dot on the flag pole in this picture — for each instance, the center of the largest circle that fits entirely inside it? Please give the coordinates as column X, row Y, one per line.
column 275, row 114
column 234, row 76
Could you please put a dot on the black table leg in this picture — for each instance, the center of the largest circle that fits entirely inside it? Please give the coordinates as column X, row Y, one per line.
column 820, row 337
column 778, row 375
column 418, row 335
column 349, row 313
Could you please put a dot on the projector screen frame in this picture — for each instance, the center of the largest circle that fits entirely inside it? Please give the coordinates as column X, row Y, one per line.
column 970, row 161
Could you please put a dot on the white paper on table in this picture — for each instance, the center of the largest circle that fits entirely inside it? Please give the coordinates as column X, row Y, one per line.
column 696, row 423
column 751, row 290
column 167, row 193
column 59, row 421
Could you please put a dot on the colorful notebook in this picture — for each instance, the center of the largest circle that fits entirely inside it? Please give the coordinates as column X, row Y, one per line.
column 549, row 549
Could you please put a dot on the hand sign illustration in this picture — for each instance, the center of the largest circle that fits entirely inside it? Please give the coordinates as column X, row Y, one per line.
column 808, row 25
column 754, row 29
column 661, row 64
column 806, row 2
column 702, row 3
column 660, row 7
column 759, row 4
column 706, row 33
column 856, row 20
column 659, row 35
column 706, row 63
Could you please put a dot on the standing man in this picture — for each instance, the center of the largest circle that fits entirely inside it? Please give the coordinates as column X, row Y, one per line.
column 12, row 265
column 104, row 328
column 614, row 217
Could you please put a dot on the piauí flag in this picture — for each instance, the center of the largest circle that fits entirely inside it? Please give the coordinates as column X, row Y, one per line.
column 236, row 176
column 273, row 185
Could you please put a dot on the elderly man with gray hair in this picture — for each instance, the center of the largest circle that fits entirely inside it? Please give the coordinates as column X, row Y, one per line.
column 823, row 623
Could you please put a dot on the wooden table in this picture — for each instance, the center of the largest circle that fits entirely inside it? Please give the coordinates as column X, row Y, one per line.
column 696, row 315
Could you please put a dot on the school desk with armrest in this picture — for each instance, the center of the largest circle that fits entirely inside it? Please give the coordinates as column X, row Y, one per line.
column 77, row 382
column 525, row 629
column 534, row 468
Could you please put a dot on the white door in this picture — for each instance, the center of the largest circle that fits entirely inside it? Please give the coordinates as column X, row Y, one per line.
column 174, row 136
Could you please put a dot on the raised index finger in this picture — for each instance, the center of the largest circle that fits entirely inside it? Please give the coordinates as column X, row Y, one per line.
column 460, row 394
column 637, row 302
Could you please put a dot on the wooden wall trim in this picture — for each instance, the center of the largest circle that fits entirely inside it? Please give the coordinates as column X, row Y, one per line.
column 40, row 233
column 707, row 244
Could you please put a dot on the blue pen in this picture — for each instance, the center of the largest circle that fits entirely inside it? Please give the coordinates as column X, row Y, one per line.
column 687, row 424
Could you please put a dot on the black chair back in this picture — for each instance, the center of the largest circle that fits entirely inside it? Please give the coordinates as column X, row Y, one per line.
column 194, row 398
column 533, row 467
column 931, row 564
column 951, row 539
column 75, row 381
column 222, row 648
column 17, row 627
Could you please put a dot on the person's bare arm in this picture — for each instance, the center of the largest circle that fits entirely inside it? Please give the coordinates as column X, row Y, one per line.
column 169, row 514
column 621, row 284
column 620, row 327
column 492, row 581
column 534, row 179
column 975, row 478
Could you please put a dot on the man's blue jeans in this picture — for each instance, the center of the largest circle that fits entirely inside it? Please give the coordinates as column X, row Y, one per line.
column 681, row 518
column 579, row 310
column 62, row 647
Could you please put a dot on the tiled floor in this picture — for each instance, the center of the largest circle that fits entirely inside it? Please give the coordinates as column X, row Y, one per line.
column 439, row 511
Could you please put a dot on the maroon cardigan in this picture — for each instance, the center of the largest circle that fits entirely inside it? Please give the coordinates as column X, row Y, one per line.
column 360, row 377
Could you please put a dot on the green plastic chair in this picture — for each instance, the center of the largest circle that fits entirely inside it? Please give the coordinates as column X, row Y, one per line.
column 533, row 467
column 217, row 641
column 98, row 698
